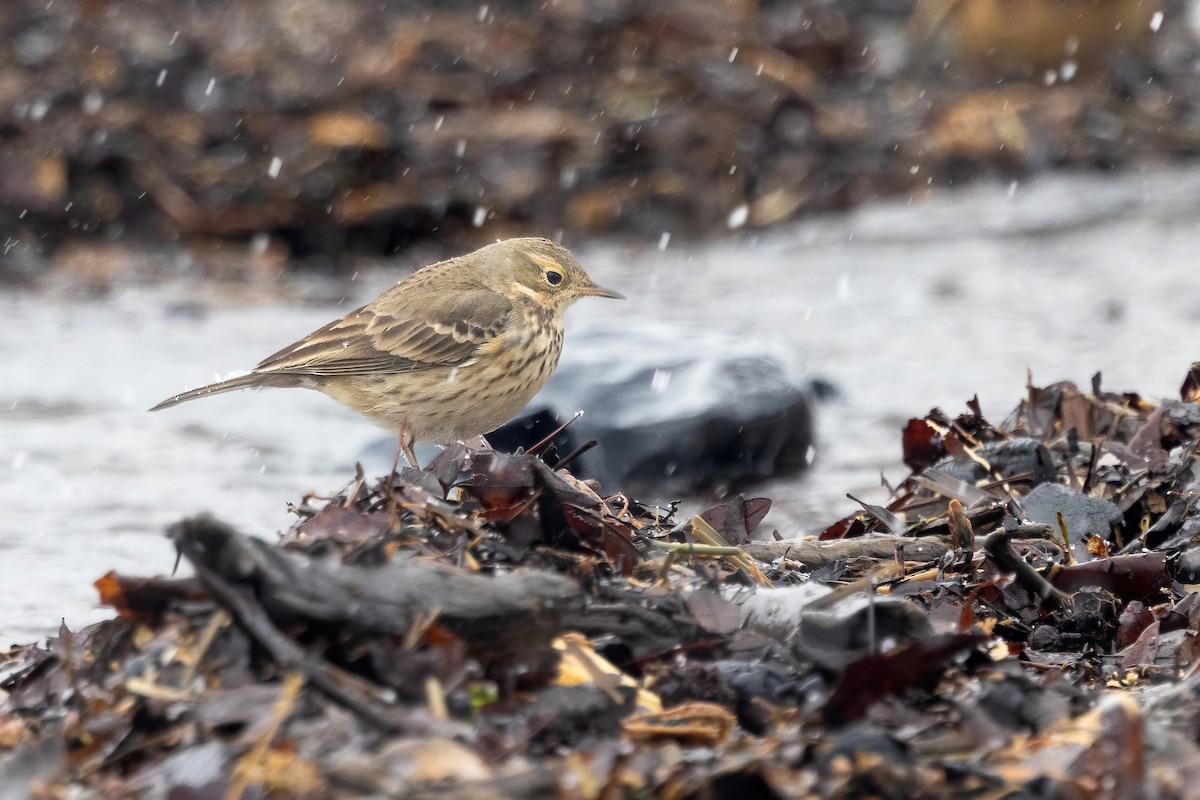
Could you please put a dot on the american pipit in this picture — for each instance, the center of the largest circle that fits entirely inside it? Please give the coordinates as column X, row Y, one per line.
column 452, row 351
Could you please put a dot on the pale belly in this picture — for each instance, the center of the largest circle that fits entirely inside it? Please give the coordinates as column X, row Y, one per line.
column 445, row 405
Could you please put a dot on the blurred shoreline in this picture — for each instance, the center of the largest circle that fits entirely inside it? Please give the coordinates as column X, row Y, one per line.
column 314, row 135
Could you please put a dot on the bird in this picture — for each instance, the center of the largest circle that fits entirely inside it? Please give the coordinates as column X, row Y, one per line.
column 450, row 352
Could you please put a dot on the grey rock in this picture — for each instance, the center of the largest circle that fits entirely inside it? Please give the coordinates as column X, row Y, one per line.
column 680, row 412
column 1020, row 456
column 1085, row 516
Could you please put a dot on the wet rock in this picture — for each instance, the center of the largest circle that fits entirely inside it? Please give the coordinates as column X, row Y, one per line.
column 758, row 679
column 1045, row 638
column 1187, row 566
column 833, row 632
column 1084, row 516
column 529, row 429
column 1017, row 703
column 1020, row 456
column 677, row 412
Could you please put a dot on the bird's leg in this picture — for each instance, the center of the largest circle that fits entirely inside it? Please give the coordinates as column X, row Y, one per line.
column 406, row 444
column 391, row 481
column 405, row 447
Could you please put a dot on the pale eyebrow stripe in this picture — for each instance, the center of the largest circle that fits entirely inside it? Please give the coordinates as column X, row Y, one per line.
column 545, row 262
column 525, row 290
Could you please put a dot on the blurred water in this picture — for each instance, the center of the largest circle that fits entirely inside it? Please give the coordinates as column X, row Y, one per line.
column 905, row 306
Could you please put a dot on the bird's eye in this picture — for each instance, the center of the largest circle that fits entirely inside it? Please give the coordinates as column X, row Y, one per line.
column 553, row 278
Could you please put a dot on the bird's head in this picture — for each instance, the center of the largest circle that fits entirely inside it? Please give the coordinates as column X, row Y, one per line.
column 542, row 271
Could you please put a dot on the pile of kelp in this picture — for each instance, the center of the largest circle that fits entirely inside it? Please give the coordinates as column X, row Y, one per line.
column 334, row 127
column 1020, row 620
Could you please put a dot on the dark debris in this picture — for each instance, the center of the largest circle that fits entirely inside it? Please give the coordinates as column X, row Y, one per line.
column 494, row 627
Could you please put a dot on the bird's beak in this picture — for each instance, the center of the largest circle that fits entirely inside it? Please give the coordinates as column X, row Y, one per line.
column 596, row 291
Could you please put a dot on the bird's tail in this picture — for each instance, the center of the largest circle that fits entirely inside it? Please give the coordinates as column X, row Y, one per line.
column 241, row 382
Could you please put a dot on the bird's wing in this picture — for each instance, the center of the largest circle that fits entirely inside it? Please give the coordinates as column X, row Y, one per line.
column 391, row 337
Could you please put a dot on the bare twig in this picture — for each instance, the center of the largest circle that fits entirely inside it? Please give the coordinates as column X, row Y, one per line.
column 999, row 549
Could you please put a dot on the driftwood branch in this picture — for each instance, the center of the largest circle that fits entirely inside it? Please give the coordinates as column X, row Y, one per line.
column 815, row 555
column 510, row 618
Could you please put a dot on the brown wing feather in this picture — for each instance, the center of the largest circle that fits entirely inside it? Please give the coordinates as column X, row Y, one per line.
column 382, row 338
